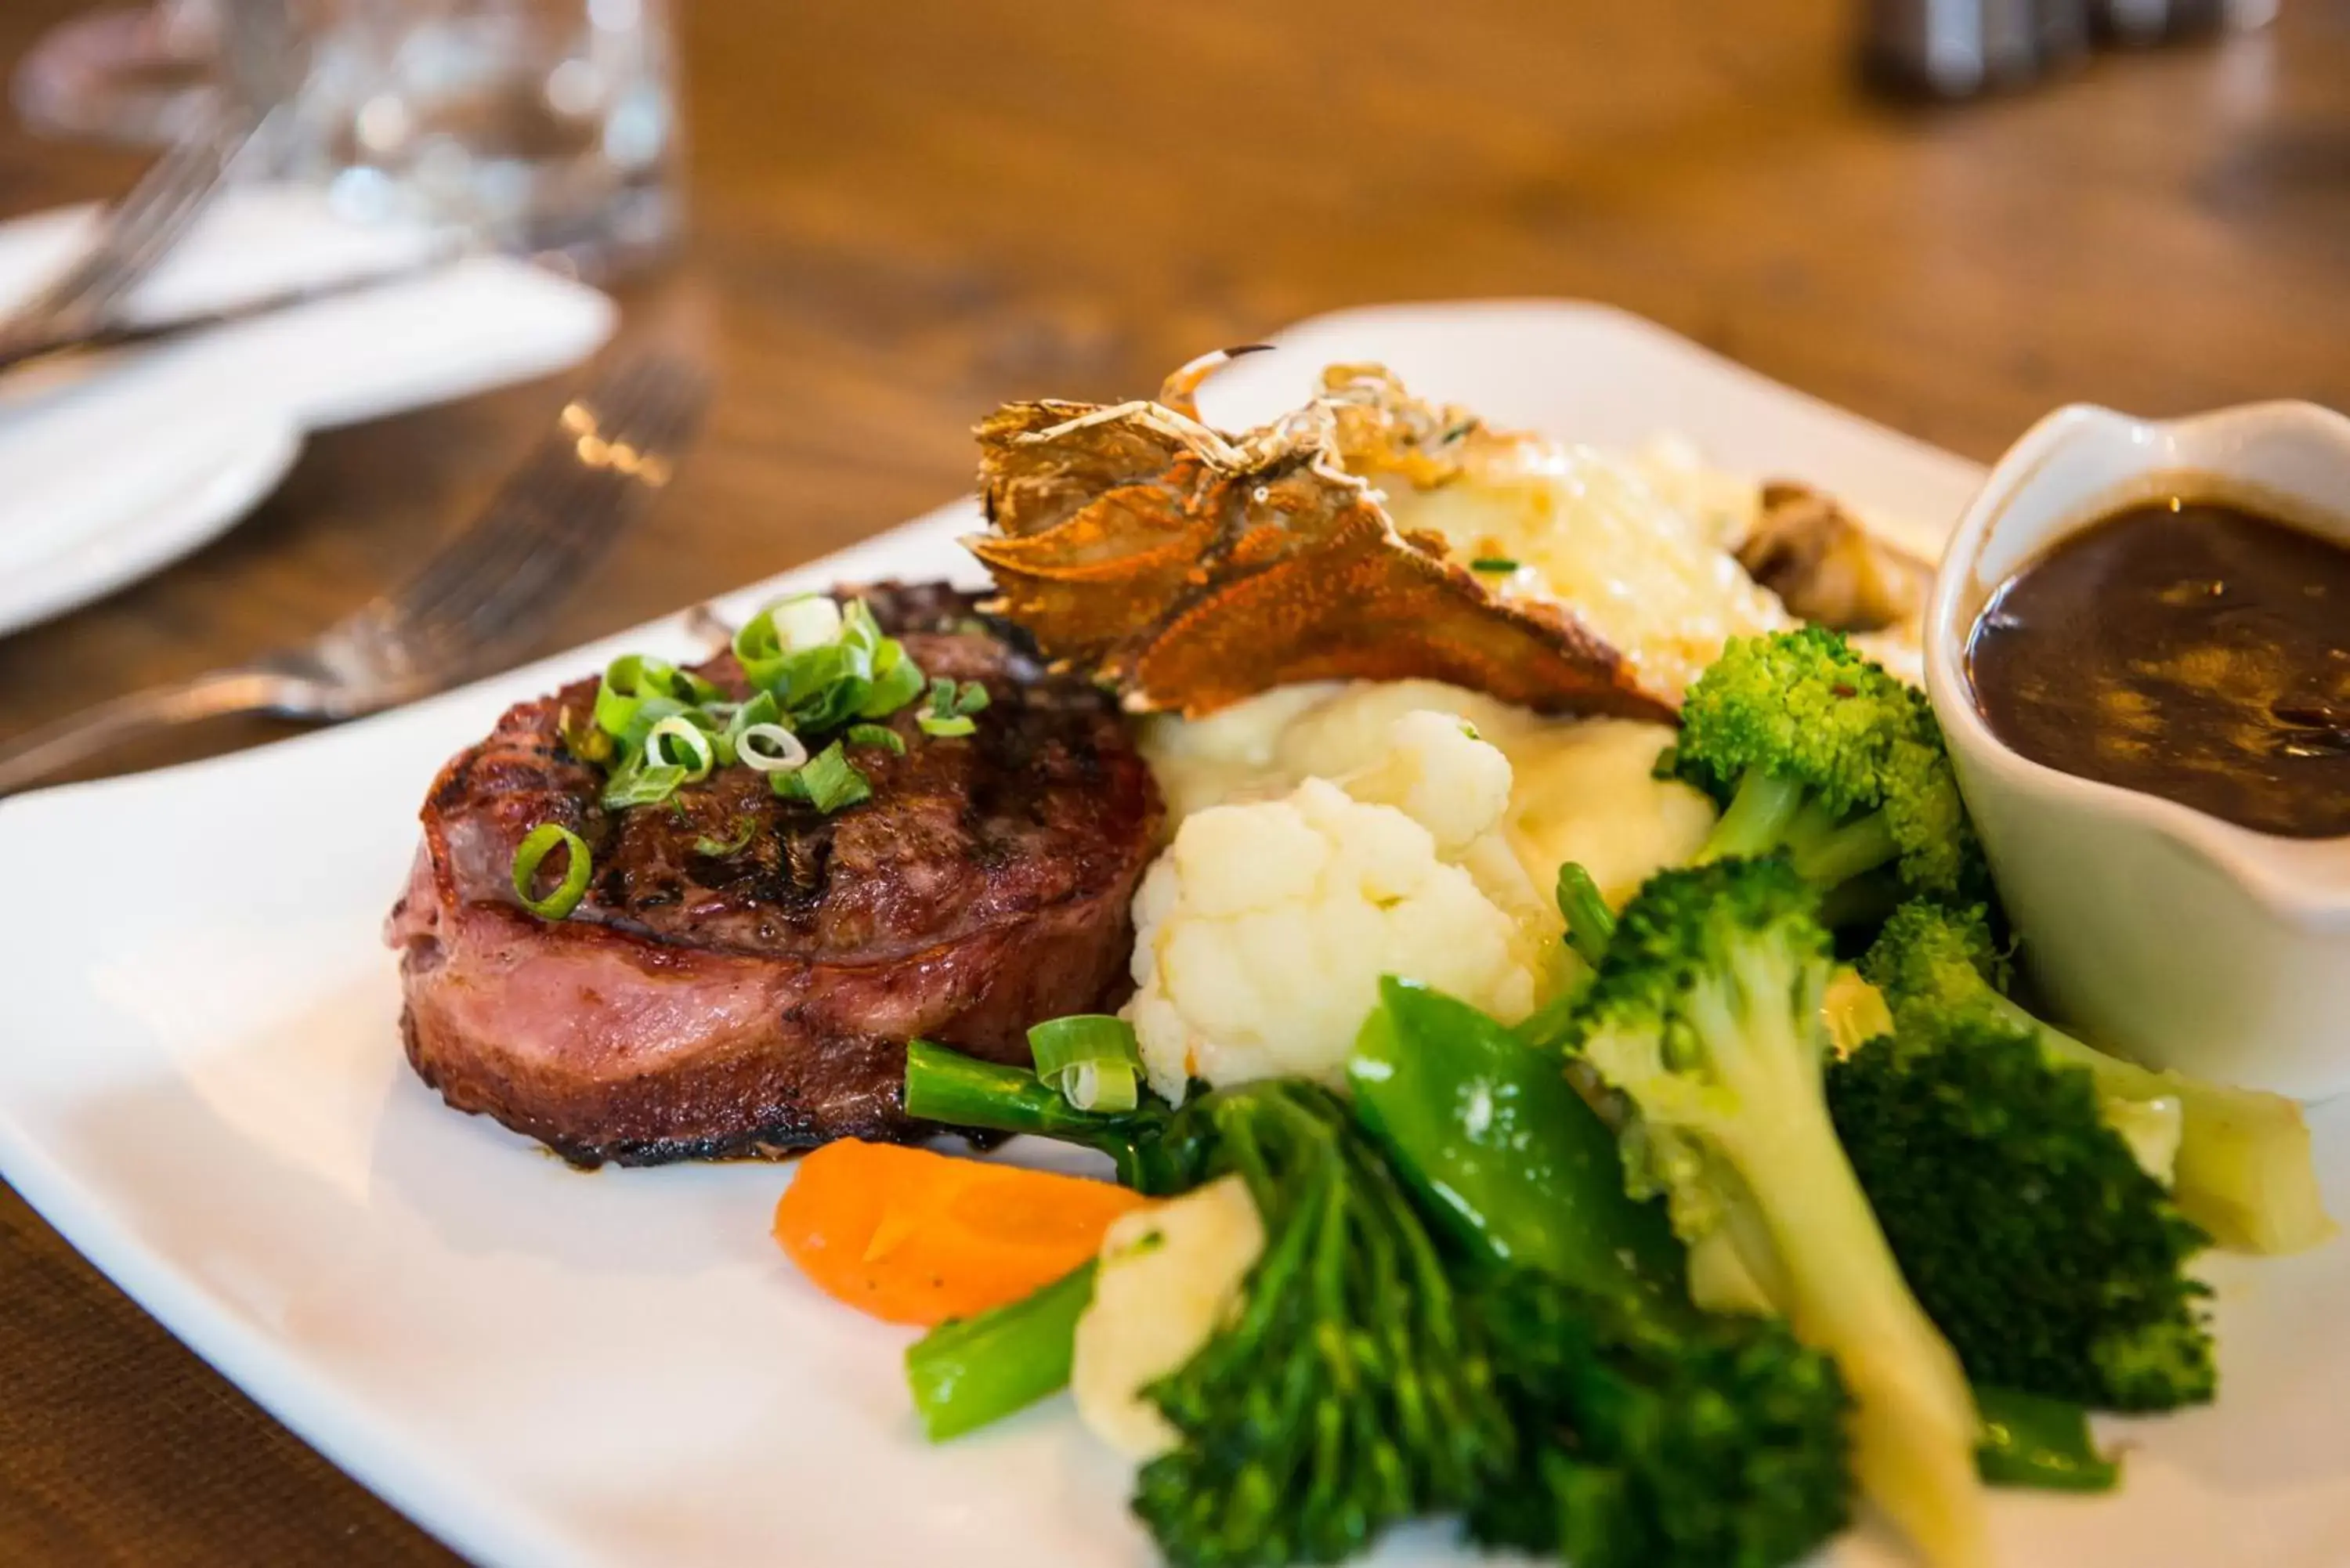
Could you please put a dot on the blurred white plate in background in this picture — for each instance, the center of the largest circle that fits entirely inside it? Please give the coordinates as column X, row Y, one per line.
column 120, row 464
column 204, row 1092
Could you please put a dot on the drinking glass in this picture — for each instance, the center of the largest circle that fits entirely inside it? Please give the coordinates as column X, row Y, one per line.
column 544, row 127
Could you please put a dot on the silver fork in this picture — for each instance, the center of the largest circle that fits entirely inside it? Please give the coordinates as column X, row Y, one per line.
column 134, row 234
column 482, row 598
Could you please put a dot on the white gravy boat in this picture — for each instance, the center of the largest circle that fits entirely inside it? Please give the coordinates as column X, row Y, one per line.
column 2155, row 930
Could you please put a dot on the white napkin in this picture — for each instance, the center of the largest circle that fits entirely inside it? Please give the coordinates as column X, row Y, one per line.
column 121, row 462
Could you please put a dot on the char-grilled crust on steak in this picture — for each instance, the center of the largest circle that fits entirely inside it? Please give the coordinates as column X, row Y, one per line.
column 699, row 1005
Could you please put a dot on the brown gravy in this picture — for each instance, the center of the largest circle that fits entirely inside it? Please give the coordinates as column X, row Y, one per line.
column 2188, row 650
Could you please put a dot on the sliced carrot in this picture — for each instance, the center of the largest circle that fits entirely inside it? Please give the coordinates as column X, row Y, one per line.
column 910, row 1236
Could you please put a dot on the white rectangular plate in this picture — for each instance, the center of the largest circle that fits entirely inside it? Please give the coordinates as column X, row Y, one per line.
column 202, row 1086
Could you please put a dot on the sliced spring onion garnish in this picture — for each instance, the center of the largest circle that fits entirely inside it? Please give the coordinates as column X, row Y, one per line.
column 828, row 781
column 950, row 703
column 758, row 649
column 1091, row 1058
column 639, row 782
column 584, row 740
column 807, row 620
column 938, row 720
column 1492, row 564
column 623, row 691
column 788, row 625
column 770, row 749
column 826, row 664
column 858, row 627
column 676, row 734
column 536, row 844
column 817, row 667
column 650, row 711
column 720, row 848
column 634, row 679
column 741, row 716
column 823, row 688
column 896, row 680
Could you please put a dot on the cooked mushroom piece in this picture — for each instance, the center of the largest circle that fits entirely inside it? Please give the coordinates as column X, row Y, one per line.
column 1824, row 567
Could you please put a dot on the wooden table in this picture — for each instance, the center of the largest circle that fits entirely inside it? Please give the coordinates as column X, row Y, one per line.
column 903, row 214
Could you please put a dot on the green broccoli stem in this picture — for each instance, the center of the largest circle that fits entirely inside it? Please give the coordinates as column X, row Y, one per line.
column 945, row 1085
column 1590, row 923
column 1913, row 1412
column 1914, row 1424
column 1762, row 810
column 975, row 1370
column 2029, row 1440
column 1590, row 926
column 1850, row 850
column 949, row 1087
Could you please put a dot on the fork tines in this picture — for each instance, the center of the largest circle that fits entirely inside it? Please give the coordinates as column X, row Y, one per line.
column 134, row 234
column 553, row 518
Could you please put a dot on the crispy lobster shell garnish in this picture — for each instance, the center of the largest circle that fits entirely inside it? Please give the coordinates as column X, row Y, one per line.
column 1190, row 568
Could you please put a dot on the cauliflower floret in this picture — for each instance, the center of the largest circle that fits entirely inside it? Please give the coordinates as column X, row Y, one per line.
column 1353, row 727
column 1261, row 933
column 1438, row 772
column 1169, row 1276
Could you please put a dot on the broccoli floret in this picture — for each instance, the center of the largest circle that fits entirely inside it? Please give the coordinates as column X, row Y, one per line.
column 2243, row 1169
column 1705, row 1017
column 2053, row 1263
column 1815, row 751
column 1653, row 1441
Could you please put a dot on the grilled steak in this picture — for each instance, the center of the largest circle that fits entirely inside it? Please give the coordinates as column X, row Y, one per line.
column 705, row 1001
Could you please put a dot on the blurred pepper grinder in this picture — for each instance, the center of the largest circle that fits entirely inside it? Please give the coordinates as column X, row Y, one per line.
column 1959, row 48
